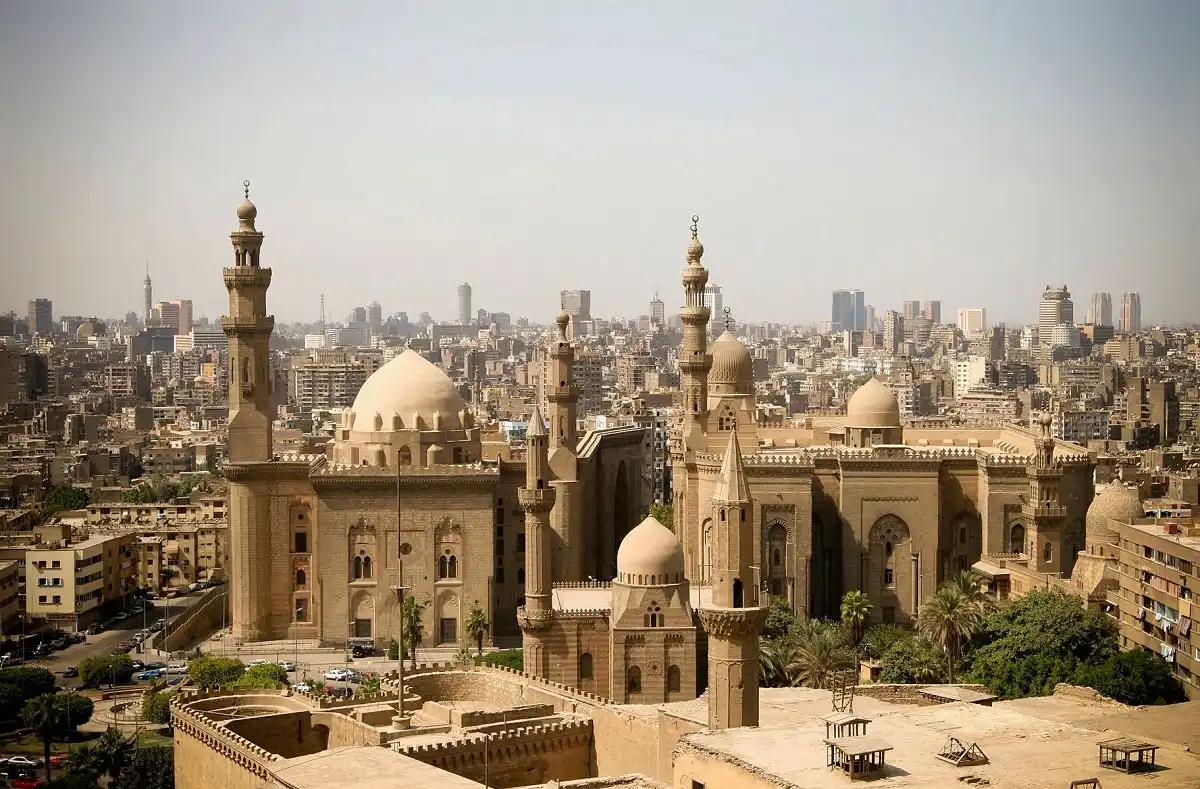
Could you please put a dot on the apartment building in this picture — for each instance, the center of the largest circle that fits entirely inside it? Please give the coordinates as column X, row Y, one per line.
column 10, row 599
column 72, row 586
column 150, row 563
column 1158, row 567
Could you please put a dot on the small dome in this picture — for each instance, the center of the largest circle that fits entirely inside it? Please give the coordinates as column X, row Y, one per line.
column 731, row 363
column 410, row 384
column 873, row 405
column 651, row 550
column 246, row 211
column 1115, row 502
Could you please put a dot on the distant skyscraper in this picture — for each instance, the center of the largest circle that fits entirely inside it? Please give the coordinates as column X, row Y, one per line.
column 464, row 304
column 849, row 311
column 1055, row 308
column 166, row 313
column 715, row 301
column 933, row 311
column 147, row 297
column 359, row 316
column 658, row 311
column 1131, row 312
column 869, row 319
column 41, row 317
column 912, row 309
column 184, row 323
column 374, row 317
column 1100, row 310
column 972, row 320
column 578, row 304
column 893, row 331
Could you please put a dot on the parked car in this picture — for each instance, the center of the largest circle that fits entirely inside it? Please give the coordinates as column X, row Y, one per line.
column 25, row 782
column 177, row 668
column 339, row 674
column 173, row 681
column 303, row 687
column 70, row 672
column 287, row 665
column 156, row 664
column 257, row 662
column 139, row 665
column 94, row 630
column 121, row 650
column 150, row 673
column 23, row 761
column 59, row 760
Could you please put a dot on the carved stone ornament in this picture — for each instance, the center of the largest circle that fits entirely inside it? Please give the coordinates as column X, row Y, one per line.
column 447, row 524
column 361, row 526
column 733, row 622
column 534, row 620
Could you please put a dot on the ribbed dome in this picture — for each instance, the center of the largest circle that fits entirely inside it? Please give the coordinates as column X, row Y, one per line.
column 873, row 405
column 246, row 211
column 409, row 384
column 731, row 363
column 650, row 551
column 1116, row 502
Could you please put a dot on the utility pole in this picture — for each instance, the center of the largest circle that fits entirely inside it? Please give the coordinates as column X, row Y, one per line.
column 400, row 721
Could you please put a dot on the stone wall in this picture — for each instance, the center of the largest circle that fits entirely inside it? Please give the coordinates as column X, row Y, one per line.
column 910, row 694
column 289, row 734
column 519, row 757
column 200, row 621
column 206, row 755
column 1084, row 694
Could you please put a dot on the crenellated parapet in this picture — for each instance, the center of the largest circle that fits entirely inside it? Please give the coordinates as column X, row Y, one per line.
column 557, row 687
column 513, row 744
column 203, row 729
column 583, row 584
column 584, row 613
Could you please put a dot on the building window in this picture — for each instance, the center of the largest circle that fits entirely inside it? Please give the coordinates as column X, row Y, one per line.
column 447, row 566
column 301, row 579
column 889, row 565
column 301, row 609
column 673, row 682
column 405, row 549
column 1048, row 552
column 635, row 679
column 654, row 616
column 585, row 666
column 362, row 566
column 301, row 540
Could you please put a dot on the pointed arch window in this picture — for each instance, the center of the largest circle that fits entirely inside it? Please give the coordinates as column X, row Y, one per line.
column 586, row 670
column 635, row 680
column 726, row 421
column 673, row 679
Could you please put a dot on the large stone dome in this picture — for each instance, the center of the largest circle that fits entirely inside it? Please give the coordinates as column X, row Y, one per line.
column 731, row 363
column 873, row 405
column 1115, row 502
column 406, row 386
column 650, row 555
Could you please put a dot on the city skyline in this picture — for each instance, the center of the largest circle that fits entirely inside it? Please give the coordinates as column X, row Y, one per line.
column 1019, row 144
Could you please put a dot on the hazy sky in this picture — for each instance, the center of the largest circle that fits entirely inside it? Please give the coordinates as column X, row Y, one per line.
column 972, row 152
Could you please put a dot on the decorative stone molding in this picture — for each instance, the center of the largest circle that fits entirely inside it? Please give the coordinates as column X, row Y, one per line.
column 583, row 585
column 536, row 500
column 266, row 471
column 534, row 621
column 733, row 622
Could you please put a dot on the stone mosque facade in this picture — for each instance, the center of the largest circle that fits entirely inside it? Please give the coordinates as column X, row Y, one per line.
column 403, row 496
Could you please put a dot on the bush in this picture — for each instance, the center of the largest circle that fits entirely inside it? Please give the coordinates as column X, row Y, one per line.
column 780, row 619
column 29, row 680
column 393, row 649
column 12, row 700
column 75, row 708
column 264, row 675
column 105, row 670
column 880, row 638
column 156, row 706
column 64, row 498
column 508, row 658
column 910, row 661
column 1136, row 677
column 151, row 768
column 210, row 671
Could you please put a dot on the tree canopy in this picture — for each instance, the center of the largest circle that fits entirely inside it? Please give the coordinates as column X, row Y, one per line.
column 105, row 670
column 64, row 498
column 664, row 514
column 263, row 675
column 151, row 768
column 212, row 671
column 161, row 489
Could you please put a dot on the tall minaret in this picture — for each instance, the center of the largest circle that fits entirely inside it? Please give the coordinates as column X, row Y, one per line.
column 1043, row 512
column 249, row 330
column 537, row 499
column 147, row 297
column 734, row 618
column 694, row 360
column 561, row 394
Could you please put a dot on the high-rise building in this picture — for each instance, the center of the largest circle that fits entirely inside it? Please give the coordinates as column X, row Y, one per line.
column 849, row 311
column 578, row 304
column 374, row 317
column 972, row 320
column 1055, row 308
column 41, row 316
column 184, row 324
column 658, row 311
column 464, row 304
column 893, row 331
column 716, row 306
column 1099, row 310
column 869, row 318
column 166, row 313
column 147, row 297
column 912, row 309
column 1131, row 312
column 359, row 316
column 933, row 311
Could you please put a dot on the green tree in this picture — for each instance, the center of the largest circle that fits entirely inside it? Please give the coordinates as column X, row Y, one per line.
column 477, row 626
column 820, row 652
column 780, row 619
column 856, row 611
column 1135, row 677
column 949, row 619
column 370, row 685
column 156, row 706
column 30, row 680
column 664, row 514
column 1031, row 643
column 263, row 675
column 54, row 717
column 880, row 638
column 393, row 649
column 413, row 608
column 151, row 768
column 105, row 670
column 910, row 660
column 64, row 498
column 774, row 657
column 212, row 671
column 106, row 756
column 12, row 700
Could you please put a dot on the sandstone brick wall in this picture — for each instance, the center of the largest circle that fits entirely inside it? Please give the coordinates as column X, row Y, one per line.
column 909, row 694
column 1084, row 694
column 288, row 734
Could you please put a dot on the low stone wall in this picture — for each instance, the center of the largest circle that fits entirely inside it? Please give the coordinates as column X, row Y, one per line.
column 465, row 719
column 1085, row 694
column 212, row 755
column 519, row 757
column 194, row 625
column 910, row 694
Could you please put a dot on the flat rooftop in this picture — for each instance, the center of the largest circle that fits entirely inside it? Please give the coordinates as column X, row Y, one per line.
column 1034, row 746
column 366, row 768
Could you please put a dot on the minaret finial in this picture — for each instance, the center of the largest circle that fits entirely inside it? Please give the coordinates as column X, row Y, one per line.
column 246, row 189
column 728, row 320
column 695, row 225
column 695, row 249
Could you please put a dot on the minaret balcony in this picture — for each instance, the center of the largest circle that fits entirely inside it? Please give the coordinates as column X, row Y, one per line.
column 248, row 324
column 732, row 622
column 1044, row 511
column 536, row 499
column 695, row 365
column 563, row 394
column 247, row 276
column 695, row 316
column 533, row 621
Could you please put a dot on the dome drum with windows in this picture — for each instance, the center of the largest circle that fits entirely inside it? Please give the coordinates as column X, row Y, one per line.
column 408, row 413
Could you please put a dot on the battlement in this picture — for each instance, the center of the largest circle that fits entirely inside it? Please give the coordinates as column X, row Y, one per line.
column 580, row 695
column 200, row 727
column 390, row 473
column 566, row 734
column 582, row 585
column 583, row 613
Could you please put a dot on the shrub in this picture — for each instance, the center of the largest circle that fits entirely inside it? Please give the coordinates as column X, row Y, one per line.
column 263, row 675
column 911, row 660
column 780, row 619
column 211, row 671
column 156, row 706
column 508, row 658
column 1136, row 677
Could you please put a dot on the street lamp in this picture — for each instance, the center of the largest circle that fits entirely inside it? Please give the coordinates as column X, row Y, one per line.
column 400, row 721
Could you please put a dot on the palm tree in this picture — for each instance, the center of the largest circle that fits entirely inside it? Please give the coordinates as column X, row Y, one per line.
column 413, row 609
column 820, row 652
column 774, row 655
column 970, row 583
column 109, row 754
column 44, row 717
column 477, row 627
column 948, row 620
column 856, row 610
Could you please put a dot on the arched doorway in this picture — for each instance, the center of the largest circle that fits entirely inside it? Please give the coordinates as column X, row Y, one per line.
column 775, row 560
column 888, row 574
column 826, row 577
column 622, row 520
column 1016, row 538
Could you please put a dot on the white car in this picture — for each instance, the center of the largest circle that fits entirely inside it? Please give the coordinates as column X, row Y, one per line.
column 177, row 668
column 302, row 687
column 339, row 674
column 259, row 662
column 23, row 761
column 287, row 665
